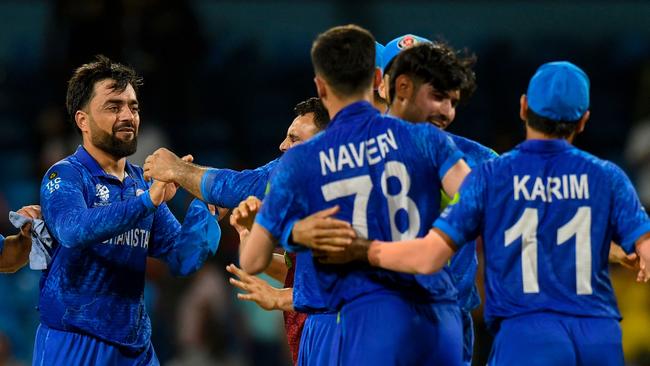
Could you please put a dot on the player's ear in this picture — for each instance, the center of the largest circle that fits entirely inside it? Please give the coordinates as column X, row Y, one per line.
column 523, row 107
column 81, row 119
column 383, row 87
column 321, row 88
column 404, row 87
column 582, row 122
column 377, row 79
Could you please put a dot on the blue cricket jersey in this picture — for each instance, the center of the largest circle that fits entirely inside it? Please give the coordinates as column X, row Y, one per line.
column 547, row 212
column 385, row 174
column 464, row 263
column 103, row 231
column 227, row 188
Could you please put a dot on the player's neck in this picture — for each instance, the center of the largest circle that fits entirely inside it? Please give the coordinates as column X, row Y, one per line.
column 110, row 164
column 532, row 134
column 336, row 103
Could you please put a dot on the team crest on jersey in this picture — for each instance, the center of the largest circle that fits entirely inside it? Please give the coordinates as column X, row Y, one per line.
column 53, row 175
column 406, row 42
column 103, row 193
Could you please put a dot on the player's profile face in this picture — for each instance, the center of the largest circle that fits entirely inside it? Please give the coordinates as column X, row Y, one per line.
column 301, row 129
column 114, row 119
column 434, row 106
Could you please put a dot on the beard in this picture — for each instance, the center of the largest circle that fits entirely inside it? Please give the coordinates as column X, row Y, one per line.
column 111, row 144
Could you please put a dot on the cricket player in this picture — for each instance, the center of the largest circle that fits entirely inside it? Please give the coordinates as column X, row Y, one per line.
column 366, row 163
column 106, row 220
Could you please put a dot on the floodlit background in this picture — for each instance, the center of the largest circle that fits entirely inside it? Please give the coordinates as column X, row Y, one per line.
column 221, row 79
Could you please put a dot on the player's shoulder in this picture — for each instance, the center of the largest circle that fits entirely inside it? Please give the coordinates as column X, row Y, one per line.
column 595, row 163
column 473, row 149
column 69, row 165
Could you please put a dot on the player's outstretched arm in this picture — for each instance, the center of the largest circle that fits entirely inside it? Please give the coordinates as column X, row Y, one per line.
column 277, row 269
column 643, row 250
column 260, row 292
column 165, row 166
column 14, row 255
column 419, row 256
column 256, row 243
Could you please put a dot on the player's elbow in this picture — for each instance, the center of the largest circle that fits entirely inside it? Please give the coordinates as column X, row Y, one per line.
column 425, row 267
column 253, row 265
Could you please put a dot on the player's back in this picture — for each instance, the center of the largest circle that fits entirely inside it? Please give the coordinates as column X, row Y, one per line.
column 549, row 216
column 385, row 175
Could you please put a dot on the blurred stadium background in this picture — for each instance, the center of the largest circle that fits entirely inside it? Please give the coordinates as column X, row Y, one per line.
column 221, row 79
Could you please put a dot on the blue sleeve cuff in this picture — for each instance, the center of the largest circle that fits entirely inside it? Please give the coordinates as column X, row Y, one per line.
column 454, row 234
column 453, row 159
column 146, row 200
column 628, row 242
column 285, row 239
column 206, row 182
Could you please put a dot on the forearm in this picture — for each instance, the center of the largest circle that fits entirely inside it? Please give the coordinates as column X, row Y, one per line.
column 189, row 177
column 418, row 256
column 15, row 253
column 277, row 269
column 255, row 251
column 79, row 226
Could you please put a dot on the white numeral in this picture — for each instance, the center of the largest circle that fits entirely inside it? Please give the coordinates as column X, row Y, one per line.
column 580, row 227
column 526, row 228
column 361, row 187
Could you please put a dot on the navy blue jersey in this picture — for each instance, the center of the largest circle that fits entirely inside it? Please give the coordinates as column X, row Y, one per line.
column 464, row 263
column 103, row 231
column 385, row 174
column 547, row 212
column 227, row 188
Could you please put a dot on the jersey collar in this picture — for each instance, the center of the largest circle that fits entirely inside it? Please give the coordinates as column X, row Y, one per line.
column 352, row 112
column 551, row 146
column 95, row 169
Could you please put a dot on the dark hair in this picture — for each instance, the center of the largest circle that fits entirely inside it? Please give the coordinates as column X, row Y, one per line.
column 549, row 127
column 345, row 57
column 437, row 64
column 81, row 85
column 315, row 106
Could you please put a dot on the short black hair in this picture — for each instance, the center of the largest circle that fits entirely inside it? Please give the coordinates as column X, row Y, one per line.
column 315, row 106
column 437, row 64
column 81, row 85
column 550, row 127
column 345, row 57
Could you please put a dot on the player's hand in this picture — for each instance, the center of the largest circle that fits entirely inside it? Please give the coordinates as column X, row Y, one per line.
column 617, row 255
column 644, row 272
column 321, row 232
column 222, row 211
column 160, row 192
column 356, row 251
column 243, row 216
column 257, row 290
column 163, row 164
column 32, row 212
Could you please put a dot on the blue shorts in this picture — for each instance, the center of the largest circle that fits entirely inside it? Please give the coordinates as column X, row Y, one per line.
column 468, row 337
column 554, row 339
column 388, row 329
column 55, row 347
column 316, row 340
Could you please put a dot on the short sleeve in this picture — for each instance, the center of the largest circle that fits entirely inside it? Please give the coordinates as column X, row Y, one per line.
column 462, row 219
column 629, row 218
